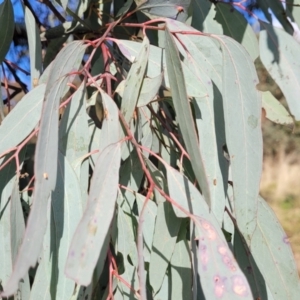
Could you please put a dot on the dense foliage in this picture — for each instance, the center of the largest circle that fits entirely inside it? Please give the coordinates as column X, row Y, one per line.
column 148, row 156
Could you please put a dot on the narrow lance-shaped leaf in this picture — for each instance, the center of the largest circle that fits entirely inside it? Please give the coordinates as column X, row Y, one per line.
column 74, row 139
column 157, row 64
column 65, row 211
column 208, row 110
column 165, row 235
column 279, row 53
column 247, row 263
column 180, row 268
column 125, row 238
column 175, row 9
column 110, row 127
column 7, row 26
column 34, row 43
column 45, row 162
column 7, row 178
column 45, row 178
column 134, row 81
column 219, row 273
column 17, row 225
column 273, row 255
column 68, row 60
column 22, row 119
column 275, row 111
column 184, row 114
column 92, row 234
column 149, row 223
column 242, row 109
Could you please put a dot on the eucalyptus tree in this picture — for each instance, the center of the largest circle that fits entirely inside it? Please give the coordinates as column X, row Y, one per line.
column 148, row 157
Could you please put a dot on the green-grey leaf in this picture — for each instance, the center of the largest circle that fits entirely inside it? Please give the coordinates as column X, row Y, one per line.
column 273, row 255
column 131, row 174
column 219, row 273
column 208, row 110
column 134, row 81
column 17, row 225
column 45, row 171
column 275, row 111
column 169, row 9
column 180, row 268
column 248, row 265
column 73, row 138
column 149, row 223
column 92, row 234
column 185, row 194
column 125, row 238
column 68, row 60
column 7, row 179
column 124, row 9
column 149, row 90
column 22, row 119
column 73, row 127
column 34, row 43
column 7, row 25
column 45, row 160
column 110, row 132
column 157, row 64
column 242, row 113
column 279, row 53
column 184, row 114
column 64, row 215
column 165, row 234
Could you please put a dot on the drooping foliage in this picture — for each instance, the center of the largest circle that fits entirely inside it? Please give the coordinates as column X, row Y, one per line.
column 148, row 155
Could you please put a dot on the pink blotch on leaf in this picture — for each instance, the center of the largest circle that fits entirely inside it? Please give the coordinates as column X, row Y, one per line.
column 211, row 233
column 286, row 240
column 239, row 286
column 226, row 258
column 219, row 286
column 203, row 253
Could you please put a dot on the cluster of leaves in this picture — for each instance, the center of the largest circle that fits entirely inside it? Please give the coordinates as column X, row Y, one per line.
column 149, row 155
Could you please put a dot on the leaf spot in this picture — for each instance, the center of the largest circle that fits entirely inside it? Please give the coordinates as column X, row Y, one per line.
column 239, row 286
column 203, row 255
column 92, row 229
column 211, row 233
column 252, row 121
column 286, row 240
column 219, row 286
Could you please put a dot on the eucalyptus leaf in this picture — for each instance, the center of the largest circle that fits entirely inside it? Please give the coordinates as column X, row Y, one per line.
column 276, row 261
column 91, row 237
column 275, row 111
column 278, row 53
column 18, row 125
column 184, row 114
column 7, row 22
column 165, row 234
column 242, row 110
